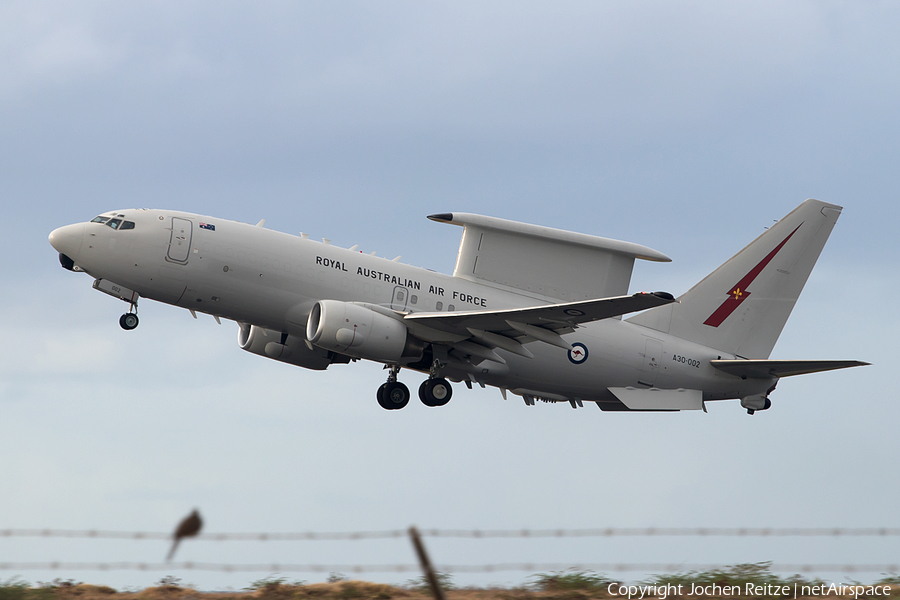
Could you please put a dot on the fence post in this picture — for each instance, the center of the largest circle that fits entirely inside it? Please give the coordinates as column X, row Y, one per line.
column 427, row 569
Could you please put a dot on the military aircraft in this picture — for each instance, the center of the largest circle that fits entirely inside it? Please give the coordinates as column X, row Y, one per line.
column 534, row 311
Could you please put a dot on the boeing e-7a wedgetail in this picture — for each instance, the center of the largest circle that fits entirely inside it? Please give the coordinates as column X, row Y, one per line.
column 533, row 311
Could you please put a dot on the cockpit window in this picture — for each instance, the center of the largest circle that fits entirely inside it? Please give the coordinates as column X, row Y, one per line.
column 117, row 224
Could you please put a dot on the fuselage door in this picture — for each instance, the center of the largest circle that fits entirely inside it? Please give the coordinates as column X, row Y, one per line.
column 180, row 242
column 653, row 350
column 400, row 298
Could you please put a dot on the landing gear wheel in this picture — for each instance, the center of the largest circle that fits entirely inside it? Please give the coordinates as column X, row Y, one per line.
column 435, row 392
column 393, row 395
column 128, row 321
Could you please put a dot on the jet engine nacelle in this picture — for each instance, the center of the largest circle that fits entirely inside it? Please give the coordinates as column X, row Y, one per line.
column 757, row 402
column 285, row 348
column 361, row 332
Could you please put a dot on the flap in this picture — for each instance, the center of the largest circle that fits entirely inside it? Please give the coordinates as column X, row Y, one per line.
column 764, row 369
column 657, row 399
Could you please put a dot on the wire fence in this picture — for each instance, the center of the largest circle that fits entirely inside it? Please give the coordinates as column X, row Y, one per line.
column 475, row 533
column 400, row 568
column 608, row 532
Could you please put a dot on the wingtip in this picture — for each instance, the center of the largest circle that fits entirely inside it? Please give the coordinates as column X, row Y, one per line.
column 442, row 217
column 661, row 295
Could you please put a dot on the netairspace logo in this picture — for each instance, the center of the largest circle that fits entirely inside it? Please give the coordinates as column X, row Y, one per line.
column 750, row 589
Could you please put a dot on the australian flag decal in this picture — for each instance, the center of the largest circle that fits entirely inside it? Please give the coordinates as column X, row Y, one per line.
column 207, row 226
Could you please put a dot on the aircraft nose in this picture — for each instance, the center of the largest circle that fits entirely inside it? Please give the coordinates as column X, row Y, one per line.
column 67, row 241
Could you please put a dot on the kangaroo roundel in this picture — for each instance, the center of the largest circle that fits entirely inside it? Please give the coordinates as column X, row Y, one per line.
column 579, row 353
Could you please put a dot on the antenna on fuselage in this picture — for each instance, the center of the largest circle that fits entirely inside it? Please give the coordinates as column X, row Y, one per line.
column 261, row 223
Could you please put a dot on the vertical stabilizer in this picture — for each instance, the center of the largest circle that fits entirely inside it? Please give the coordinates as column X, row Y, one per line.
column 742, row 306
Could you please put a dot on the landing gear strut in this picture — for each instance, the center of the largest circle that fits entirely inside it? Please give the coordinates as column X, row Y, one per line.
column 393, row 394
column 435, row 391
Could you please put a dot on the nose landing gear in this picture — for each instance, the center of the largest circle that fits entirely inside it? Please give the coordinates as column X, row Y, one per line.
column 129, row 321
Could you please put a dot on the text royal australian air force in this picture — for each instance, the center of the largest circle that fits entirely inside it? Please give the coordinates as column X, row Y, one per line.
column 412, row 284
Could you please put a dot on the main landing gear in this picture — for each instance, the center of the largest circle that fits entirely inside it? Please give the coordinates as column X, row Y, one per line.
column 434, row 391
column 393, row 394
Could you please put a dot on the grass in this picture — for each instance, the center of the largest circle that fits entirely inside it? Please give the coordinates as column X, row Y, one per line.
column 737, row 575
column 563, row 585
column 561, row 581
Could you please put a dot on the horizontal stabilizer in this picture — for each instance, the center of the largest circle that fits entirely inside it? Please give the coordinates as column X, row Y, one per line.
column 657, row 399
column 763, row 369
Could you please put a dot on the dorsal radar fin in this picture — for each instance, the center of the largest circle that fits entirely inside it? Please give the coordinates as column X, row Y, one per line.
column 548, row 262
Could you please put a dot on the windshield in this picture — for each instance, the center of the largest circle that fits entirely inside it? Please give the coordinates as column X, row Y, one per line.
column 117, row 224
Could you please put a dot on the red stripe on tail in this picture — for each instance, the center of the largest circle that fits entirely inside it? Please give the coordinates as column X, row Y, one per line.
column 739, row 293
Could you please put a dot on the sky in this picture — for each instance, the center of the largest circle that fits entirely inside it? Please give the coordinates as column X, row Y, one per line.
column 688, row 127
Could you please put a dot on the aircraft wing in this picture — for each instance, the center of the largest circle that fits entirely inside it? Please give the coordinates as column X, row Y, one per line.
column 763, row 369
column 510, row 328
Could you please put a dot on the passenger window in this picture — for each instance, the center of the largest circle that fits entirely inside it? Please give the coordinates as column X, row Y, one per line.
column 451, row 308
column 114, row 223
column 127, row 225
column 413, row 299
column 439, row 306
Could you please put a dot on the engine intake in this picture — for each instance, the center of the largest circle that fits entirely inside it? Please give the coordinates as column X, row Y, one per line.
column 361, row 332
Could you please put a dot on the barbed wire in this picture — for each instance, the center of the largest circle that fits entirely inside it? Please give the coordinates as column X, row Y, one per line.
column 492, row 568
column 477, row 533
column 451, row 533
